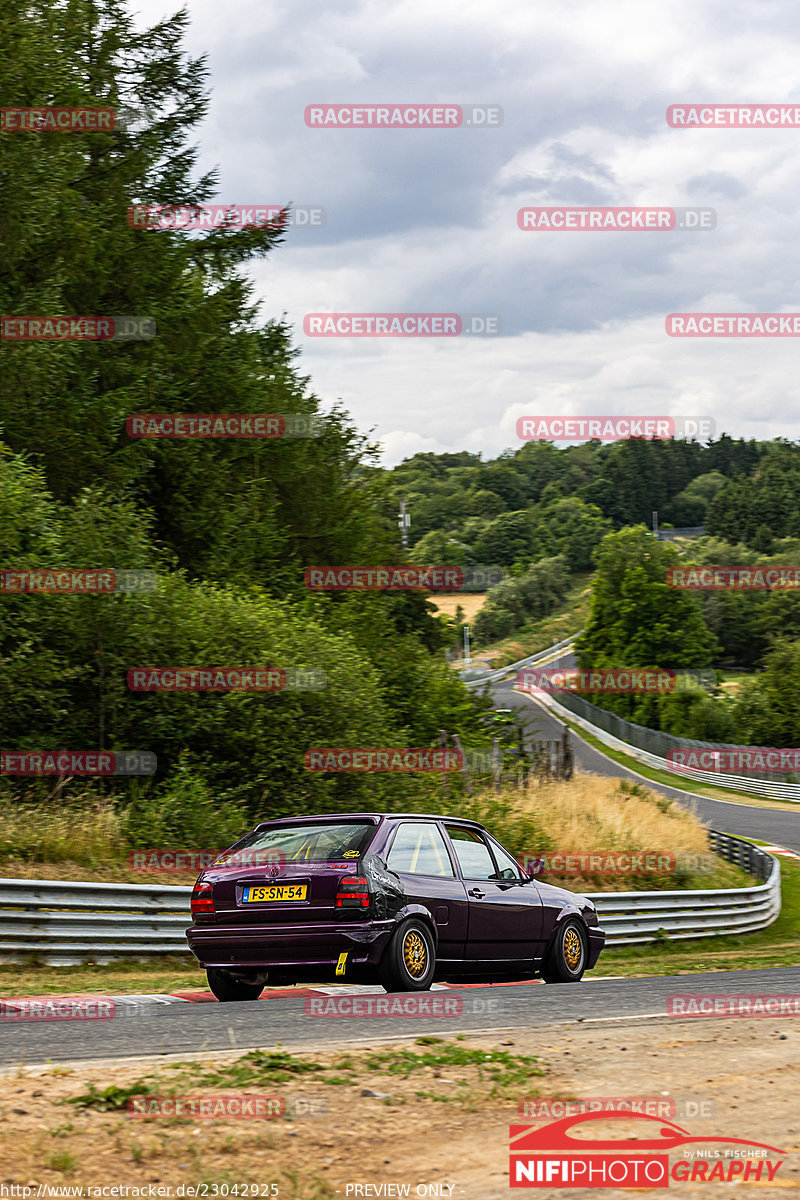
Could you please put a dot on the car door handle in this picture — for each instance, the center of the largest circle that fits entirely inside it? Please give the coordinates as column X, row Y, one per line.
column 477, row 893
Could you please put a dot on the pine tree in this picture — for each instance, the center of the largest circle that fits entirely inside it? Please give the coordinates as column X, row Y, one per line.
column 233, row 509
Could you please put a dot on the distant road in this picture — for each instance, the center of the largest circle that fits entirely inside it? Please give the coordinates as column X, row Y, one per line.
column 767, row 824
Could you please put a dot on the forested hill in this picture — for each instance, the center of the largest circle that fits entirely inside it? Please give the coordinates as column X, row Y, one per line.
column 541, row 500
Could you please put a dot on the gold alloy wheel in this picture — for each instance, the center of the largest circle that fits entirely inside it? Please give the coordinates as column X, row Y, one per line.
column 415, row 954
column 573, row 949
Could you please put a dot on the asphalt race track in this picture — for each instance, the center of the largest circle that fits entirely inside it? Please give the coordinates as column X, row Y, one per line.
column 186, row 1028
column 767, row 824
column 197, row 1028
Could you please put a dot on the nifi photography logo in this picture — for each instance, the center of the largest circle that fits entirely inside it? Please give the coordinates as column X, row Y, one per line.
column 564, row 1154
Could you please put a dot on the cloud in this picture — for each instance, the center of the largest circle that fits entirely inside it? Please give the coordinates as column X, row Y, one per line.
column 425, row 220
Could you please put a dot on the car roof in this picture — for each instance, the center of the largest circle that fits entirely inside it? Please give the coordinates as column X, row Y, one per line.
column 371, row 816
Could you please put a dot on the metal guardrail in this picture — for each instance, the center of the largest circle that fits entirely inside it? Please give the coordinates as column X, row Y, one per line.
column 630, row 917
column 769, row 788
column 531, row 660
column 68, row 923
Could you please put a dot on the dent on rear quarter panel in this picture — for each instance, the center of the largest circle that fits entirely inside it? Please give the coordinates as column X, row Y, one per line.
column 390, row 896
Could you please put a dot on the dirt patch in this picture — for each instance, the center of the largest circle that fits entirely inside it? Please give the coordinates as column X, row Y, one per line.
column 439, row 1120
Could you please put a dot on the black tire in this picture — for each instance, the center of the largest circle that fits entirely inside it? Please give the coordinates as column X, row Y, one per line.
column 568, row 955
column 409, row 961
column 225, row 987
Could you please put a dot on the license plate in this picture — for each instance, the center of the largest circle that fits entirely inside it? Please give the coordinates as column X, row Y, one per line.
column 274, row 892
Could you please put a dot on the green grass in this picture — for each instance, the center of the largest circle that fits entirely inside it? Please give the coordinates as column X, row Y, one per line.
column 494, row 1073
column 262, row 1068
column 163, row 974
column 61, row 1160
column 776, row 946
column 497, row 1069
column 111, row 1098
column 486, row 1073
column 259, row 1068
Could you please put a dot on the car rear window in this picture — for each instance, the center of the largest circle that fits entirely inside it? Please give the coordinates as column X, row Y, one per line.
column 326, row 841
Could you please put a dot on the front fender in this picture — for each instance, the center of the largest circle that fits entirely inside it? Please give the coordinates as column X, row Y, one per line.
column 569, row 910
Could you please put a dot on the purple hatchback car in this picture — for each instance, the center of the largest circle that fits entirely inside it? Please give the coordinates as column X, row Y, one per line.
column 402, row 899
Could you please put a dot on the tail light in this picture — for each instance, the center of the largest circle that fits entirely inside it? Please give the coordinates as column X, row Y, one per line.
column 202, row 898
column 353, row 892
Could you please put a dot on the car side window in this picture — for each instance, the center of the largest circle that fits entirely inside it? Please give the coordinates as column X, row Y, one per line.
column 419, row 849
column 472, row 853
column 507, row 868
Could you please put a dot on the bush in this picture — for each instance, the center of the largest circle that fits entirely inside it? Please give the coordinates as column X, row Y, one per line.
column 492, row 623
column 183, row 812
column 533, row 594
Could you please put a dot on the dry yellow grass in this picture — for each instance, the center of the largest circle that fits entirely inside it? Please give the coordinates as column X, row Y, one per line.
column 82, row 831
column 470, row 602
column 589, row 814
column 591, row 811
column 599, row 815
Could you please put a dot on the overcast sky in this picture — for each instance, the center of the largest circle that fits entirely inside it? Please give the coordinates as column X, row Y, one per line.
column 425, row 220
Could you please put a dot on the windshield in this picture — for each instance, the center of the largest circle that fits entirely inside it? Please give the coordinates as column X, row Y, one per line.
column 326, row 841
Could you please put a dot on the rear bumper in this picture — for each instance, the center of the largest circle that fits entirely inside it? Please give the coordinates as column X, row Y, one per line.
column 289, row 945
column 597, row 940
